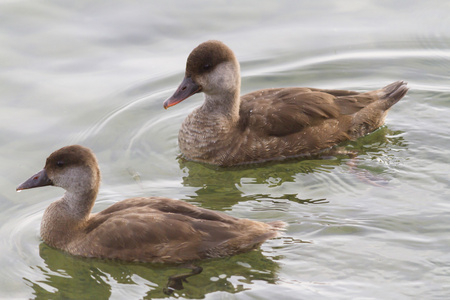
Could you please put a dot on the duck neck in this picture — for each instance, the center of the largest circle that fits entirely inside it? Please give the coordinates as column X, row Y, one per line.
column 223, row 105
column 80, row 203
column 65, row 218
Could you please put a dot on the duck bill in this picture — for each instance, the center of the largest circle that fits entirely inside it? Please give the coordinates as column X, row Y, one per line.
column 186, row 89
column 37, row 180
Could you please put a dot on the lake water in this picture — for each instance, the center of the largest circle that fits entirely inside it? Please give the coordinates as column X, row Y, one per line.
column 97, row 72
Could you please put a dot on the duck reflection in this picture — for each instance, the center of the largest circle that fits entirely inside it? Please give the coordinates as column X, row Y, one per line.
column 69, row 277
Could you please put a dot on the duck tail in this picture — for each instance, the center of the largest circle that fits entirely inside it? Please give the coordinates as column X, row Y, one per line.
column 393, row 92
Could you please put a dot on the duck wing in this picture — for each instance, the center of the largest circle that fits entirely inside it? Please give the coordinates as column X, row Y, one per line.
column 284, row 111
column 351, row 102
column 166, row 230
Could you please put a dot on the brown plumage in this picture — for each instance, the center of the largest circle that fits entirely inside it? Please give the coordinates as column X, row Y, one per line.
column 152, row 229
column 272, row 123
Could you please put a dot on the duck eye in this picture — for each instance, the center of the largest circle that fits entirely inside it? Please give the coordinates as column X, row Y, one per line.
column 206, row 67
column 60, row 163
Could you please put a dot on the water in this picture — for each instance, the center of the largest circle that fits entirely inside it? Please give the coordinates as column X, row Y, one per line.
column 97, row 73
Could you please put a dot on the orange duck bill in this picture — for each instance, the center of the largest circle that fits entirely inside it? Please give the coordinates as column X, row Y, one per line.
column 186, row 89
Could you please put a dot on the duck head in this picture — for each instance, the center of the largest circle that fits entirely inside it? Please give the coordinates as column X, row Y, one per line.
column 211, row 68
column 73, row 168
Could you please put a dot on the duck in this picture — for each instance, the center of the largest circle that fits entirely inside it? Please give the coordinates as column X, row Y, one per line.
column 268, row 124
column 141, row 229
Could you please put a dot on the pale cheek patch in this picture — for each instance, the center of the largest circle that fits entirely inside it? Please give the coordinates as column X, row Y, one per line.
column 224, row 77
column 75, row 179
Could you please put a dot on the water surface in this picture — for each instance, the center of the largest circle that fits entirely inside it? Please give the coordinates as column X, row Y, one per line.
column 96, row 74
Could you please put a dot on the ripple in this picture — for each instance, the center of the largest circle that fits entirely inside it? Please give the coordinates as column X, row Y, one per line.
column 423, row 69
column 365, row 55
column 20, row 233
column 135, row 142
